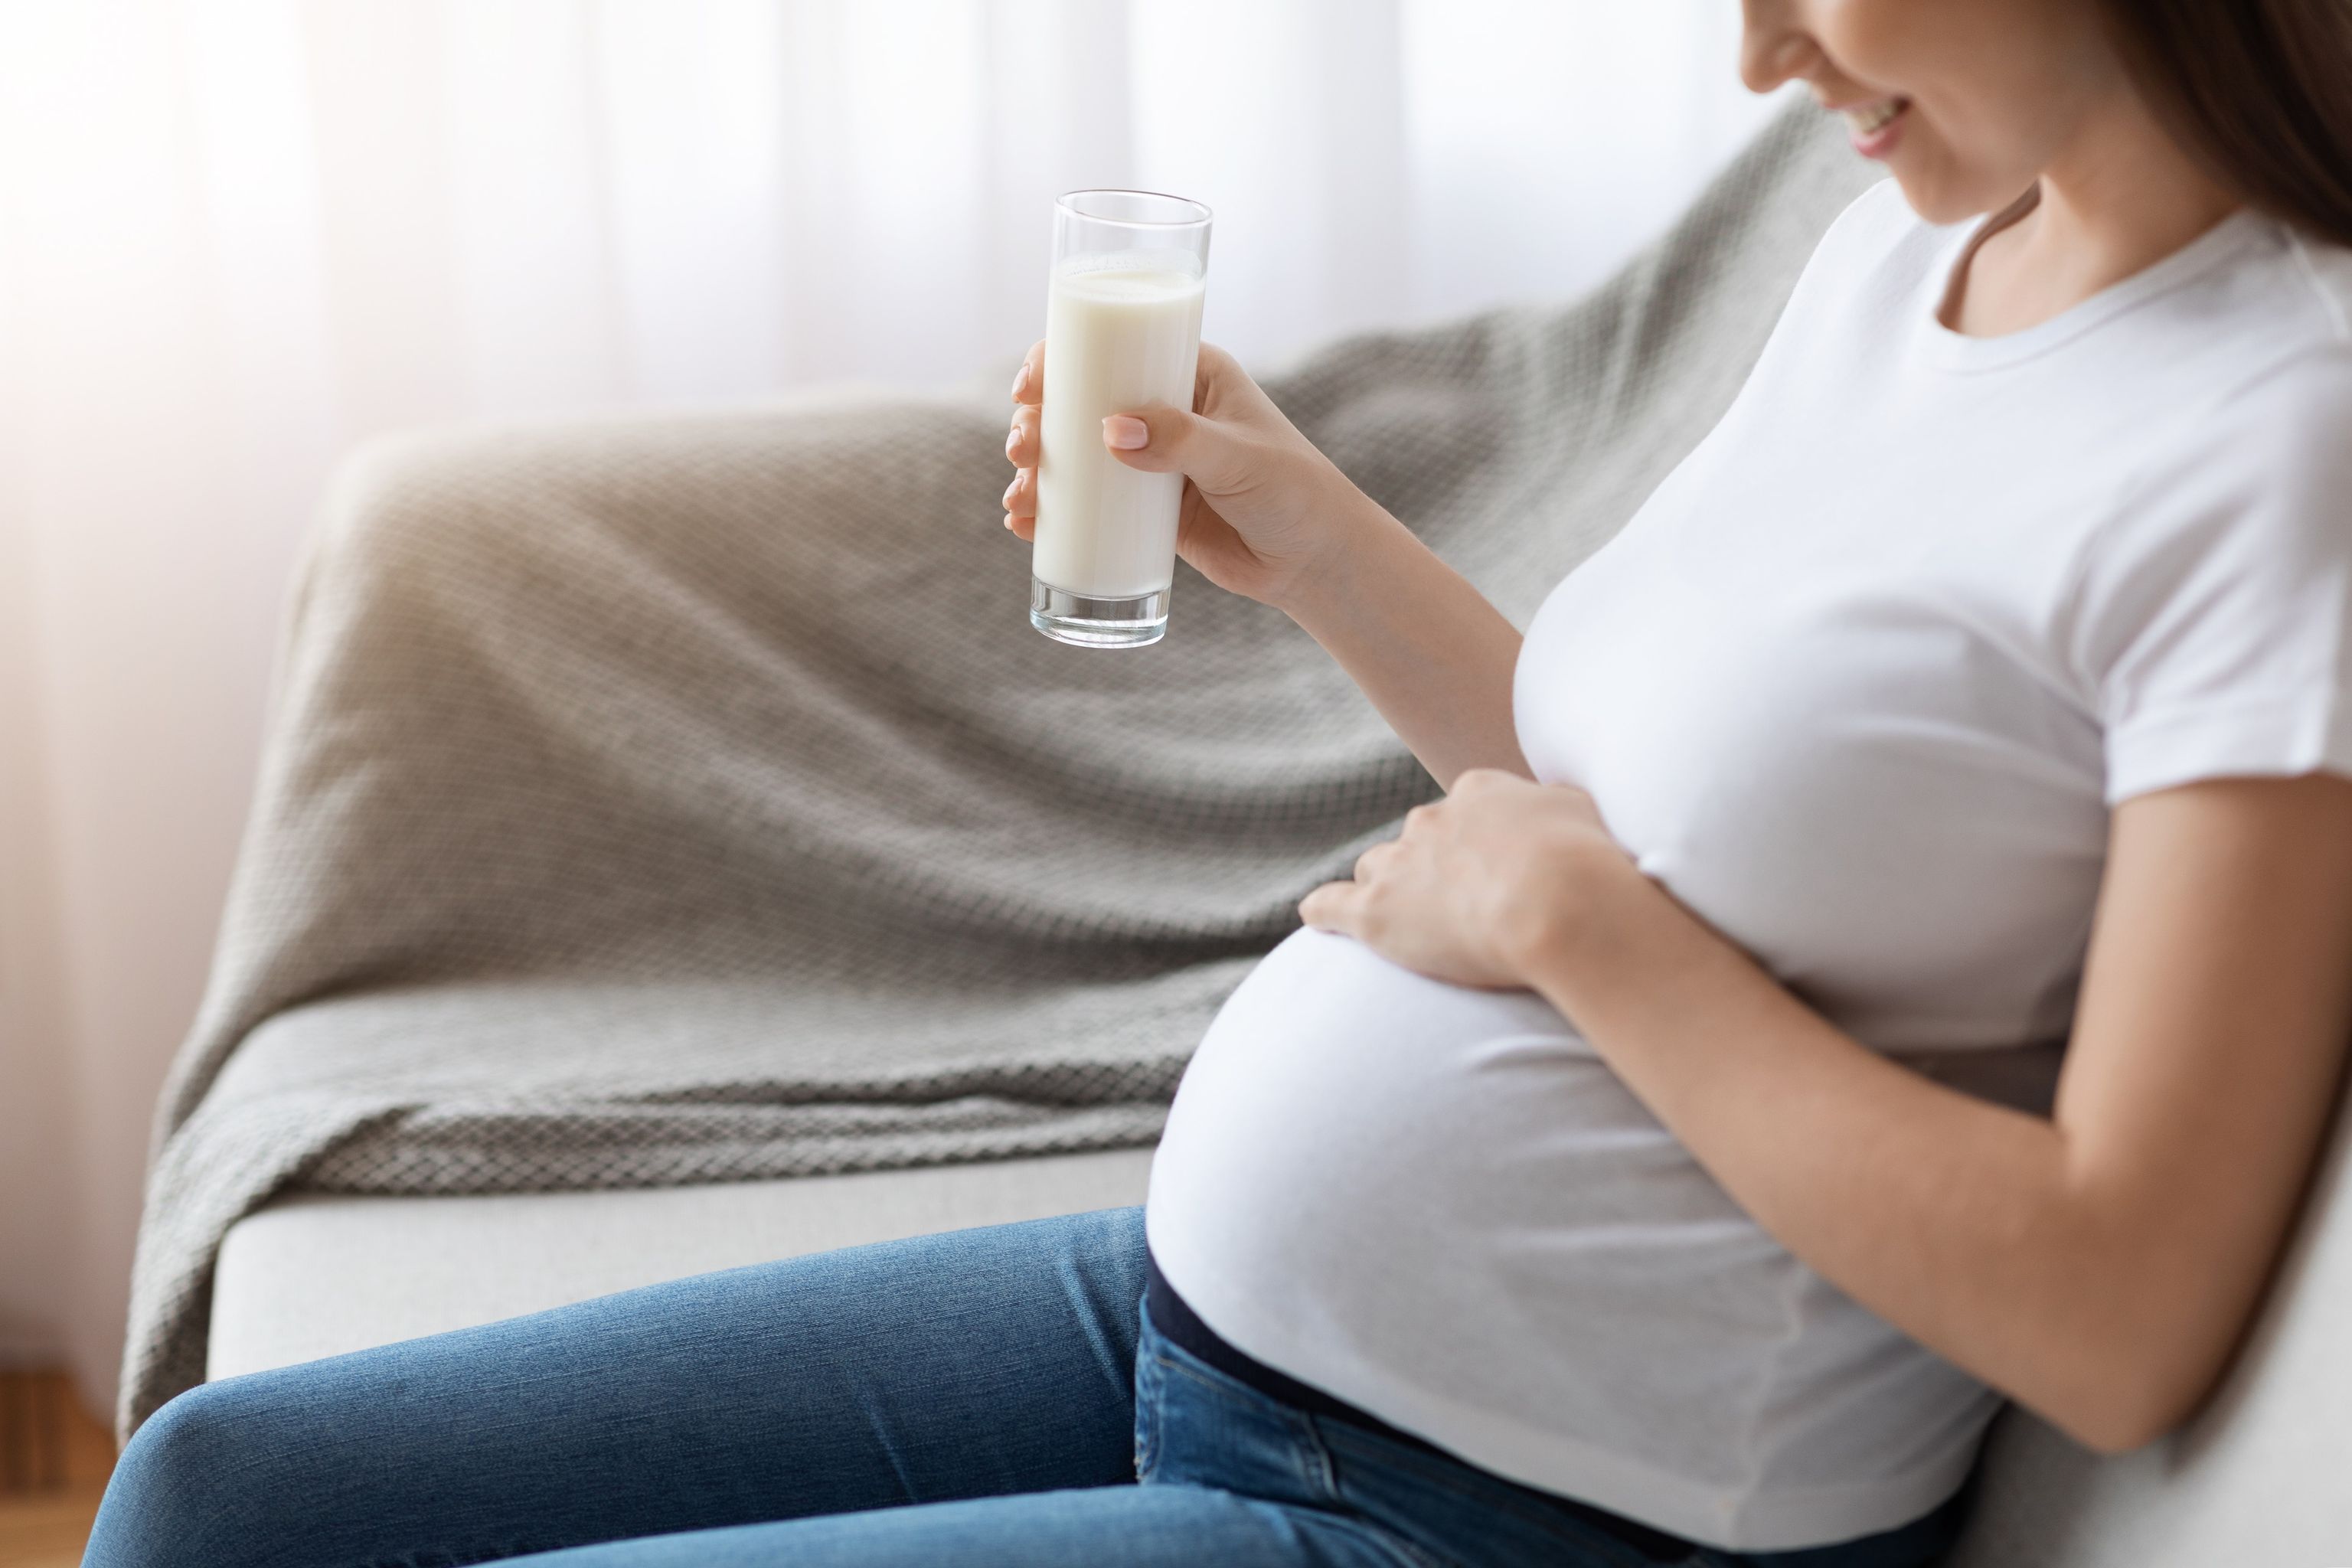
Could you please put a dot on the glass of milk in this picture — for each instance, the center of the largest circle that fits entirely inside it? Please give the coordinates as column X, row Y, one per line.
column 1122, row 330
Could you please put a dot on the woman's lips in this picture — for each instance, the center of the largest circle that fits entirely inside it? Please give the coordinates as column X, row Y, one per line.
column 1877, row 125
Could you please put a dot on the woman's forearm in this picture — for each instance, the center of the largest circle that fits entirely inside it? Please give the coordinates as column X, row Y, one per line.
column 1434, row 657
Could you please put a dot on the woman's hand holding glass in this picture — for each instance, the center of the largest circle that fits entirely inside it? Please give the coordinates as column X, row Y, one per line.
column 1263, row 510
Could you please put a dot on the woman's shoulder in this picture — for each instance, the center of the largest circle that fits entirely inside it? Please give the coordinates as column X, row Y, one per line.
column 2274, row 420
column 2284, row 430
column 2323, row 272
column 2258, row 474
column 2305, row 394
column 2265, row 314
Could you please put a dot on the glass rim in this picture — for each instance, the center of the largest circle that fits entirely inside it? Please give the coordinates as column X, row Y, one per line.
column 1067, row 201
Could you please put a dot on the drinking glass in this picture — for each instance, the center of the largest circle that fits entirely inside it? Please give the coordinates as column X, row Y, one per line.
column 1122, row 331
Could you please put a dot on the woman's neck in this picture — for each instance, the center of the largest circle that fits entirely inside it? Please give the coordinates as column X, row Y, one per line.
column 2120, row 197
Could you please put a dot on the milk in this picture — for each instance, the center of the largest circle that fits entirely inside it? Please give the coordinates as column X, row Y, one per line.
column 1116, row 339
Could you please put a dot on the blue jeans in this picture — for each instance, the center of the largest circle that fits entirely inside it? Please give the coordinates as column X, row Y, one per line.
column 985, row 1397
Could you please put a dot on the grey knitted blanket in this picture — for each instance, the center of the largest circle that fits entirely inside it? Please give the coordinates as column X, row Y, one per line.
column 689, row 799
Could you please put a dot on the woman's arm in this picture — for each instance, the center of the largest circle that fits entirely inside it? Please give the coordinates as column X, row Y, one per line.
column 1267, row 516
column 1431, row 651
column 2099, row 1265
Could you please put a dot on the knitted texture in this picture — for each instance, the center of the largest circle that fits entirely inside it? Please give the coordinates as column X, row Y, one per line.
column 689, row 799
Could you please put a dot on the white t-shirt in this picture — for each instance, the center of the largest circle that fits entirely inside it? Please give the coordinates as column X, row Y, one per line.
column 1860, row 685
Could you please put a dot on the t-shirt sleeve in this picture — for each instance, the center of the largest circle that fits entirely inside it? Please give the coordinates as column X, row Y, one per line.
column 2212, row 625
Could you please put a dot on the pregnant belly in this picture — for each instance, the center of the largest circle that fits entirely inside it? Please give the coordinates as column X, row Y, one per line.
column 1373, row 1147
column 1339, row 1094
column 1441, row 1204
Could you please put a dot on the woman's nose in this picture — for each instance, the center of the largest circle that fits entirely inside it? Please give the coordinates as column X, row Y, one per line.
column 1772, row 48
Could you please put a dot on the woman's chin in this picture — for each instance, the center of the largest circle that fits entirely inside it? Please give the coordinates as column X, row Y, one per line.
column 1938, row 198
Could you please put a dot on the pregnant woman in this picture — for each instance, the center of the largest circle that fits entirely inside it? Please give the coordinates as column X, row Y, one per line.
column 1652, row 1154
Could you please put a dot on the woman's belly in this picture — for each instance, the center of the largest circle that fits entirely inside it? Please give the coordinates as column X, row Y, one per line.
column 1440, row 1205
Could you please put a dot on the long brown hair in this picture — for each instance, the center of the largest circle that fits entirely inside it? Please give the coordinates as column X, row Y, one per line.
column 2259, row 92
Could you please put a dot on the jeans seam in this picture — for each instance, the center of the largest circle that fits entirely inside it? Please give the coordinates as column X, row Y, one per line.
column 1147, row 1421
column 1315, row 1461
column 1216, row 1382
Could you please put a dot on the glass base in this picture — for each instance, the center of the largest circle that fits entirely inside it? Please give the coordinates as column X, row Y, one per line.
column 1097, row 623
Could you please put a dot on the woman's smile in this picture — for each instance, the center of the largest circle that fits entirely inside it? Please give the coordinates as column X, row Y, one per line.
column 1876, row 124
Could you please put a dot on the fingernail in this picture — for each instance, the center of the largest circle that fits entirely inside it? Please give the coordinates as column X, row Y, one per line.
column 1009, row 491
column 1021, row 380
column 1008, row 519
column 1126, row 432
column 1012, row 440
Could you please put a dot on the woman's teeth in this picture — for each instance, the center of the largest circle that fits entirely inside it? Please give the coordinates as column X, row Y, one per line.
column 1870, row 119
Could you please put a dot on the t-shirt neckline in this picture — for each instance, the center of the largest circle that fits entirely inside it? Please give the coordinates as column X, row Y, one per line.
column 1940, row 345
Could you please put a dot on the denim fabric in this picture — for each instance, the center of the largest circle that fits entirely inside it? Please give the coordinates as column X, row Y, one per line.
column 984, row 1397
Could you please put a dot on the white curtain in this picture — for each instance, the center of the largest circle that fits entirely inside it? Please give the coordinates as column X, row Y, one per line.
column 237, row 235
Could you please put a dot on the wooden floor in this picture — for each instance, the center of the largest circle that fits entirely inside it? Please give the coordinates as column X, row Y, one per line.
column 54, row 1462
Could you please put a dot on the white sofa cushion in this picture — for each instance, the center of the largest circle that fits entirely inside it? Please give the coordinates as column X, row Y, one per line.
column 310, row 1277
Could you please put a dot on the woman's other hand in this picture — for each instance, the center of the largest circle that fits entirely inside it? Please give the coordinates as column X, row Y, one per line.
column 1261, row 507
column 1480, row 882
